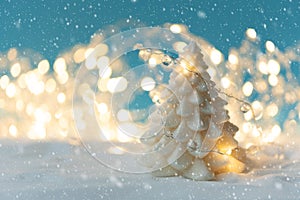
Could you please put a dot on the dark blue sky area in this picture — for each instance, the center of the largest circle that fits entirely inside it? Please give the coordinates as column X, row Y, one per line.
column 53, row 26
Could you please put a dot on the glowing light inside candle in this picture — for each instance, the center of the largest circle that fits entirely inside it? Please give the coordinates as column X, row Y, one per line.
column 251, row 33
column 147, row 84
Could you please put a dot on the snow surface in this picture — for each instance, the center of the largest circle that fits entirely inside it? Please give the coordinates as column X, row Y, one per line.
column 58, row 170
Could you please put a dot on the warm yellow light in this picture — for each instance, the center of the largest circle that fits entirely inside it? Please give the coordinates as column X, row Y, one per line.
column 61, row 98
column 63, row 122
column 216, row 56
column 256, row 132
column 247, row 127
column 88, row 52
column 60, row 65
column 147, row 84
column 11, row 90
column 102, row 108
column 29, row 109
column 261, row 85
column 12, row 54
column 103, row 64
column 33, row 83
column 63, row 77
column 273, row 80
column 2, row 103
column 19, row 105
column 273, row 67
column 115, row 85
column 43, row 67
column 152, row 62
column 272, row 110
column 4, row 81
column 258, row 108
column 247, row 88
column 102, row 84
column 275, row 132
column 270, row 46
column 13, row 131
column 156, row 99
column 22, row 81
column 37, row 131
column 78, row 56
column 101, row 49
column 175, row 28
column 263, row 67
column 50, row 85
column 233, row 59
column 225, row 82
column 251, row 33
column 42, row 116
column 15, row 70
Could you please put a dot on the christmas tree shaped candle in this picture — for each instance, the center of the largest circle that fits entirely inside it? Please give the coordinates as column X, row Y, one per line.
column 190, row 129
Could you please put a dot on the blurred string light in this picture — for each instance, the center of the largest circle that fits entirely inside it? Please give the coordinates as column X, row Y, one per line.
column 36, row 101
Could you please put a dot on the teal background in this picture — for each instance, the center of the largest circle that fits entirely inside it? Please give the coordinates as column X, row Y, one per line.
column 52, row 26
